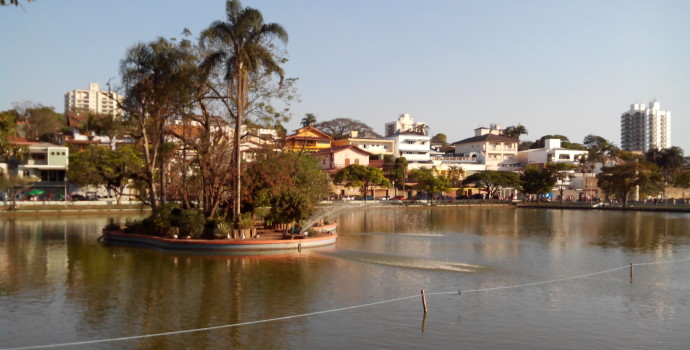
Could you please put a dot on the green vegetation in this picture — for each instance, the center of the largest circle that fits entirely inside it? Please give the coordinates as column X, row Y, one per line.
column 363, row 177
column 429, row 182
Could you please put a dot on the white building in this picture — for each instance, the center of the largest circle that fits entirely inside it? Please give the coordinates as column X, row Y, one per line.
column 92, row 100
column 376, row 146
column 645, row 126
column 405, row 123
column 551, row 153
column 488, row 147
column 414, row 147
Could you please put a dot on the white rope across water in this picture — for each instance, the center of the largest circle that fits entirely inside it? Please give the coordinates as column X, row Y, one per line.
column 134, row 337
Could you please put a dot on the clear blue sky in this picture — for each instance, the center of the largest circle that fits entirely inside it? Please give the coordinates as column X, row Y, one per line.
column 557, row 67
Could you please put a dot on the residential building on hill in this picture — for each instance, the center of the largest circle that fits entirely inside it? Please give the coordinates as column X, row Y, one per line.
column 93, row 100
column 375, row 146
column 488, row 146
column 551, row 153
column 338, row 157
column 416, row 148
column 405, row 123
column 645, row 126
column 45, row 163
column 309, row 139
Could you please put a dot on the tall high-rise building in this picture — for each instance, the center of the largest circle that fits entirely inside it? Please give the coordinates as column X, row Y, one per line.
column 92, row 100
column 645, row 126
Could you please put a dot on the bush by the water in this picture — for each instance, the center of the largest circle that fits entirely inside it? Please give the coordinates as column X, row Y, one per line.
column 168, row 220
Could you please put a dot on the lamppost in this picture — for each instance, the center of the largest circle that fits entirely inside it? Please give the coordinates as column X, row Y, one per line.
column 395, row 190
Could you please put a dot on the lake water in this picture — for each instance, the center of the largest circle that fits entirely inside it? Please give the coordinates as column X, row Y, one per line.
column 528, row 280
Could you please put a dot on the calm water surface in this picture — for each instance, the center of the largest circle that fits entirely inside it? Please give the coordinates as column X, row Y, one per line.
column 58, row 284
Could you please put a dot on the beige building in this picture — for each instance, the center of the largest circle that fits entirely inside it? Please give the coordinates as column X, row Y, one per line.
column 92, row 100
column 373, row 146
column 489, row 147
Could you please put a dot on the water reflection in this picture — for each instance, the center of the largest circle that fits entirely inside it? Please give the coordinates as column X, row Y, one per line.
column 56, row 277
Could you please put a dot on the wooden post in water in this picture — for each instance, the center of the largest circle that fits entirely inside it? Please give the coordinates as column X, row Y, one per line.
column 424, row 302
column 631, row 273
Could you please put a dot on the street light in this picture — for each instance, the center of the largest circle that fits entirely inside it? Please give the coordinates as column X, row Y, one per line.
column 395, row 190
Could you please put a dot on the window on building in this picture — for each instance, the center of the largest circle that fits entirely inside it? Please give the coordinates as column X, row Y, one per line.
column 356, row 160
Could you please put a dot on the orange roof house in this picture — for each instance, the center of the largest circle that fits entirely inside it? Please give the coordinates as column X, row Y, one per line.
column 308, row 139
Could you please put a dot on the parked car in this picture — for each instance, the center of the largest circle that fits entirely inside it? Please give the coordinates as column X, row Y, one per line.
column 77, row 197
column 347, row 198
column 462, row 196
column 477, row 196
column 398, row 198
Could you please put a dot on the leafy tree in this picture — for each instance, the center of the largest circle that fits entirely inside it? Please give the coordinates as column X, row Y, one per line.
column 156, row 82
column 454, row 174
column 364, row 177
column 525, row 145
column 515, row 131
column 565, row 142
column 599, row 148
column 493, row 180
column 430, row 182
column 8, row 149
column 682, row 180
column 620, row 180
column 309, row 119
column 536, row 180
column 561, row 172
column 245, row 49
column 397, row 171
column 440, row 137
column 99, row 166
column 669, row 160
column 339, row 128
column 44, row 124
column 290, row 183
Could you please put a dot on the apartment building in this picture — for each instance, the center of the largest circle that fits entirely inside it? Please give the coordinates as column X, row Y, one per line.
column 92, row 100
column 645, row 126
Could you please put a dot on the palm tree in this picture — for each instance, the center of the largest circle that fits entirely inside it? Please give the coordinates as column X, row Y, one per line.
column 244, row 50
column 308, row 120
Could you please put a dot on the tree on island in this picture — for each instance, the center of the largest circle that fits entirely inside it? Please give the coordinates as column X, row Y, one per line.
column 156, row 83
column 291, row 183
column 363, row 177
column 246, row 51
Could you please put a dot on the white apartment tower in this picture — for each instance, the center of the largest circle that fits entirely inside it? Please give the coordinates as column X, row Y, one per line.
column 405, row 123
column 645, row 126
column 92, row 100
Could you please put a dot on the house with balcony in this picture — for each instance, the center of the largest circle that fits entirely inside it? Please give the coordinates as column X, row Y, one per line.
column 309, row 139
column 415, row 147
column 378, row 147
column 551, row 153
column 489, row 147
column 335, row 158
column 45, row 164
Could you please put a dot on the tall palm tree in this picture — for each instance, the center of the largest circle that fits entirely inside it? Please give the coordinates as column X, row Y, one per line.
column 243, row 47
column 308, row 120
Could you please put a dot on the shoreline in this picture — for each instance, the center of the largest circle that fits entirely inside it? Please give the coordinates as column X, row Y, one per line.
column 96, row 209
